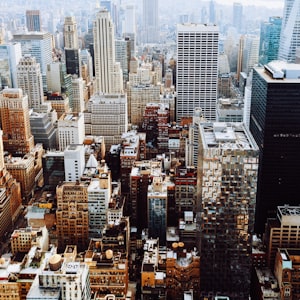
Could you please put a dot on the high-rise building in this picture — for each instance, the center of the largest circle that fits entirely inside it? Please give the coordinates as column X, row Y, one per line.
column 108, row 72
column 227, row 176
column 78, row 102
column 275, row 123
column 150, row 32
column 72, row 215
column 71, row 33
column 74, row 162
column 106, row 115
column 99, row 195
column 10, row 196
column 290, row 31
column 70, row 130
column 282, row 232
column 130, row 26
column 42, row 128
column 250, row 53
column 157, row 207
column 269, row 40
column 39, row 45
column 17, row 137
column 73, row 64
column 123, row 55
column 29, row 79
column 33, row 20
column 237, row 19
column 10, row 55
column 212, row 12
column 197, row 70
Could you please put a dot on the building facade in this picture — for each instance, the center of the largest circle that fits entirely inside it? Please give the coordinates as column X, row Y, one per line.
column 227, row 176
column 197, row 70
column 274, row 124
column 33, row 20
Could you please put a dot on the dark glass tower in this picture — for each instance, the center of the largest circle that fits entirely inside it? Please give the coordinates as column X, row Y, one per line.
column 275, row 125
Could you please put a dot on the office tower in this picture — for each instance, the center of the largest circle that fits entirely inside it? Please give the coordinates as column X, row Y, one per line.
column 130, row 26
column 61, row 277
column 250, row 53
column 141, row 176
column 237, row 16
column 150, row 32
column 74, row 162
column 33, row 20
column 39, row 45
column 72, row 51
column 10, row 196
column 212, row 12
column 290, row 31
column 132, row 144
column 72, row 215
column 275, row 123
column 54, row 169
column 17, row 137
column 106, row 116
column 138, row 97
column 29, row 79
column 22, row 169
column 43, row 130
column 86, row 59
column 123, row 55
column 197, row 70
column 107, row 72
column 59, row 82
column 78, row 103
column 10, row 55
column 71, row 33
column 70, row 130
column 73, row 65
column 282, row 231
column 158, row 198
column 99, row 195
column 269, row 40
column 227, row 176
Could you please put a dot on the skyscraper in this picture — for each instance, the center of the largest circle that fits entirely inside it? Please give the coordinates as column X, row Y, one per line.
column 227, row 175
column 197, row 70
column 269, row 40
column 17, row 137
column 10, row 55
column 237, row 16
column 150, row 32
column 39, row 45
column 108, row 72
column 290, row 31
column 70, row 33
column 30, row 81
column 33, row 20
column 275, row 124
column 212, row 12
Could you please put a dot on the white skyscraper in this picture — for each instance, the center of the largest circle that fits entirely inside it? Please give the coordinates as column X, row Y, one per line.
column 74, row 162
column 29, row 79
column 108, row 73
column 290, row 31
column 197, row 70
column 78, row 94
column 70, row 129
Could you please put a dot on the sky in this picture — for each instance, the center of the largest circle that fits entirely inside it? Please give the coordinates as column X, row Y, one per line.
column 269, row 3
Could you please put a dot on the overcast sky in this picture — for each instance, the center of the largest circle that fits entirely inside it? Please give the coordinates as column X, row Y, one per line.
column 269, row 3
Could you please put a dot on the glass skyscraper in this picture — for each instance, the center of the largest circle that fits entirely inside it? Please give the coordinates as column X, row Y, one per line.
column 269, row 40
column 290, row 31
